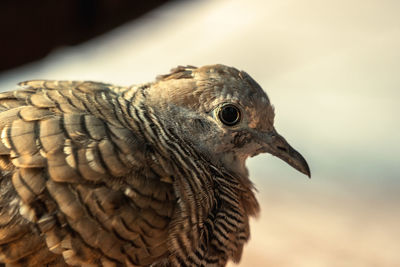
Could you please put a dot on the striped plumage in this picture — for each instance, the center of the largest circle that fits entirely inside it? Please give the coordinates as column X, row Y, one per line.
column 99, row 175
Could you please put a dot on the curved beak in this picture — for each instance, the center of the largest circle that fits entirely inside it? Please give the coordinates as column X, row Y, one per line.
column 276, row 145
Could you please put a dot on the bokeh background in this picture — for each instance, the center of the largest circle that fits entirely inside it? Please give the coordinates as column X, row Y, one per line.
column 332, row 71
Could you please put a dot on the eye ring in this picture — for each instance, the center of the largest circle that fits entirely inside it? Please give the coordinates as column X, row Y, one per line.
column 229, row 114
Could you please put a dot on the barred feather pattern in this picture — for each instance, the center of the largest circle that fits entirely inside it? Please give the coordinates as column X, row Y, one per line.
column 91, row 176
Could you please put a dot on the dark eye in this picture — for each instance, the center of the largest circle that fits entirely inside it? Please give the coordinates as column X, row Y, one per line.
column 229, row 114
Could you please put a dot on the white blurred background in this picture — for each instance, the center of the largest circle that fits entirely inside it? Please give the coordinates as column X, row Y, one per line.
column 332, row 71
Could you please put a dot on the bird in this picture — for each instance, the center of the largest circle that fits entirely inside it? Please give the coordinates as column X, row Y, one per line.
column 153, row 174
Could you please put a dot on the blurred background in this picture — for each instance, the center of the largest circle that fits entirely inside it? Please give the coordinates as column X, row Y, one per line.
column 331, row 69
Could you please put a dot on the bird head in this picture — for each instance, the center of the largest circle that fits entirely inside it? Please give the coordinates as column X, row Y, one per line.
column 224, row 114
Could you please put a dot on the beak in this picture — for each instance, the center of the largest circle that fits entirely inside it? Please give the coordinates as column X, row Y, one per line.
column 276, row 145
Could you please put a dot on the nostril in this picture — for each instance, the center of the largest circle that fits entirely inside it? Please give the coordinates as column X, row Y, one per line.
column 282, row 148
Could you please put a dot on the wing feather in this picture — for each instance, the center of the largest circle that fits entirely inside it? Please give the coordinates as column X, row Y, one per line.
column 83, row 173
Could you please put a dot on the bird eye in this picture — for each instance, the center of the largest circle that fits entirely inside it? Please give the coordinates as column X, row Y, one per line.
column 229, row 114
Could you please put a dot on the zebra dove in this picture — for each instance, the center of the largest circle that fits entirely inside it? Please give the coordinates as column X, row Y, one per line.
column 94, row 174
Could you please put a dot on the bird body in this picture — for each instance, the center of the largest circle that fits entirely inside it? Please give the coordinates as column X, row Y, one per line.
column 94, row 174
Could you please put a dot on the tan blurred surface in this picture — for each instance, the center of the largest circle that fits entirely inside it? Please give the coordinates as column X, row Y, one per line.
column 326, row 233
column 331, row 68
